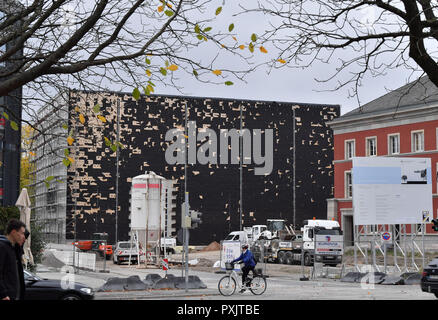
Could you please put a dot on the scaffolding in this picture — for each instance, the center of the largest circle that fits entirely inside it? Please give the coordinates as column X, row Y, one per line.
column 49, row 199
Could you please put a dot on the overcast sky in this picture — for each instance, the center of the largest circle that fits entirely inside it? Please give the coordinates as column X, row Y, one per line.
column 285, row 84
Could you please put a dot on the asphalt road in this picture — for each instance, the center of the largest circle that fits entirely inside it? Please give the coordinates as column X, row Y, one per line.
column 279, row 287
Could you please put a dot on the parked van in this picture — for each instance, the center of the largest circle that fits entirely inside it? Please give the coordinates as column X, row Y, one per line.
column 238, row 236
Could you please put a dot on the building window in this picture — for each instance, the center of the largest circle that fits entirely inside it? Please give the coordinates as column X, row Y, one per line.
column 349, row 149
column 51, row 196
column 394, row 144
column 348, row 185
column 417, row 141
column 371, row 145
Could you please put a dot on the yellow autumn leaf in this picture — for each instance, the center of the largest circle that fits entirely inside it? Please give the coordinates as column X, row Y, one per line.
column 81, row 118
column 70, row 140
column 281, row 61
column 169, row 5
column 148, row 72
column 241, row 47
column 77, row 109
column 235, row 39
column 32, row 153
column 102, row 118
column 172, row 67
column 151, row 88
column 160, row 8
column 217, row 72
column 263, row 49
column 223, row 46
column 71, row 159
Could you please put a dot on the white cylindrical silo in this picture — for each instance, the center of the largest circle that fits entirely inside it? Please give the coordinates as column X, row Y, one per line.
column 146, row 207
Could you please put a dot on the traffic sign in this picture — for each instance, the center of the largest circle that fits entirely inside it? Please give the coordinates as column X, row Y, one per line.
column 386, row 236
column 165, row 264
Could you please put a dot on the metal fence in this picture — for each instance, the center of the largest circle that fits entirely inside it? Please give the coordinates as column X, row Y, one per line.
column 406, row 253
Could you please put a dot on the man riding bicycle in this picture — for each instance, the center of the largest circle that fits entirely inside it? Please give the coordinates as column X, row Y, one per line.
column 248, row 259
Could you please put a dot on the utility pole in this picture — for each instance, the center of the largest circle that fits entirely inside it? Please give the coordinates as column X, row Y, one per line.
column 186, row 203
column 241, row 163
column 294, row 167
column 117, row 170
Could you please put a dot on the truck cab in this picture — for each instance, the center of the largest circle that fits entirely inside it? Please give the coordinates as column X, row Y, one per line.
column 312, row 227
column 257, row 231
column 317, row 227
column 238, row 236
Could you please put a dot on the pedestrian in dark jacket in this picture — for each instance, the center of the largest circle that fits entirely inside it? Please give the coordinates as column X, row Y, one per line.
column 11, row 269
column 249, row 264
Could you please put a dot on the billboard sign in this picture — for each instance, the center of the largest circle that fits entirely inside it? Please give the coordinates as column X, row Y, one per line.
column 391, row 190
column 327, row 244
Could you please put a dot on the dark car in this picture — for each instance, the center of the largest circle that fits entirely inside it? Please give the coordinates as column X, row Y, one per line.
column 429, row 279
column 45, row 289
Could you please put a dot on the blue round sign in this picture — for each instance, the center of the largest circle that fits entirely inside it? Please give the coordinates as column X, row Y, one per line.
column 386, row 236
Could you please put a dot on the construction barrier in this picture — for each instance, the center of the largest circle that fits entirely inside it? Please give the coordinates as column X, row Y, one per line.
column 151, row 282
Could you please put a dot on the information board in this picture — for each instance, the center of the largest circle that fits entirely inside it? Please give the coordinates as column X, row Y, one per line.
column 390, row 190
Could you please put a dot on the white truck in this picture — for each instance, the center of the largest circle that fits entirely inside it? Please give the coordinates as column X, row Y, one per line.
column 290, row 248
column 124, row 250
column 241, row 236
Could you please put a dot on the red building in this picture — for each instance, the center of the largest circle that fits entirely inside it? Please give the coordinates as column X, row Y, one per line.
column 402, row 123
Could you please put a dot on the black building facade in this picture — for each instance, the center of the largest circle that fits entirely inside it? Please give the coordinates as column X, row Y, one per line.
column 214, row 189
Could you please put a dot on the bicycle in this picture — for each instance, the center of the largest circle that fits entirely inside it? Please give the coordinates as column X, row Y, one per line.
column 227, row 284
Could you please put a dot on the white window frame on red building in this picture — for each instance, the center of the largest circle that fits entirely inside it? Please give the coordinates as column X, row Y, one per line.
column 348, row 193
column 414, row 148
column 348, row 152
column 367, row 149
column 390, row 145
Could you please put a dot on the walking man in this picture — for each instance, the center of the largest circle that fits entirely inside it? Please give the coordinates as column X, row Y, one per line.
column 11, row 281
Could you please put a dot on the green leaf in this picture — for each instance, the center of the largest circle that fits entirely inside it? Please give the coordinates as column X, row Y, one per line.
column 147, row 60
column 163, row 71
column 5, row 115
column 14, row 125
column 96, row 108
column 229, row 83
column 200, row 37
column 47, row 184
column 151, row 83
column 146, row 91
column 166, row 63
column 48, row 179
column 136, row 94
column 197, row 29
column 169, row 13
column 253, row 37
column 251, row 47
column 195, row 73
column 231, row 27
column 66, row 162
column 218, row 10
column 66, row 152
column 207, row 29
column 65, row 126
column 114, row 147
column 120, row 145
column 107, row 142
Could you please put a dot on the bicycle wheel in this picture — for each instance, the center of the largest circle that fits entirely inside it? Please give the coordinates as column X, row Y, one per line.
column 258, row 285
column 226, row 286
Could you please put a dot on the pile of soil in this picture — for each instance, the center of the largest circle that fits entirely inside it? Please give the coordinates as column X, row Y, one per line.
column 214, row 246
